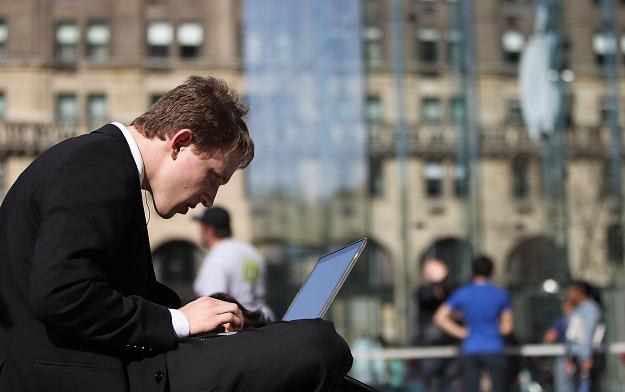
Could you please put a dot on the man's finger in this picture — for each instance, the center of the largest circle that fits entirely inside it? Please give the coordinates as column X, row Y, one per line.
column 227, row 307
column 227, row 318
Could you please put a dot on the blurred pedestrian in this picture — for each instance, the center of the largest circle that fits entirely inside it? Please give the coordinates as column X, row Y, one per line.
column 435, row 288
column 556, row 333
column 584, row 333
column 230, row 266
column 487, row 313
column 369, row 365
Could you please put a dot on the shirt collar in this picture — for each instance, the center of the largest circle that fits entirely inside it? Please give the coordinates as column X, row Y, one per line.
column 134, row 149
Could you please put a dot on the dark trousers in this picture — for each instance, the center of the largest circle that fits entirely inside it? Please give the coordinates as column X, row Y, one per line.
column 494, row 364
column 302, row 355
column 595, row 373
column 438, row 374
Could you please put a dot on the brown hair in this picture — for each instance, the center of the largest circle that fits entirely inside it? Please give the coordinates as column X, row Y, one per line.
column 210, row 109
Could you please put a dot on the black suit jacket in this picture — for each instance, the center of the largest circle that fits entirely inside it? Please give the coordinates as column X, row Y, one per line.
column 77, row 287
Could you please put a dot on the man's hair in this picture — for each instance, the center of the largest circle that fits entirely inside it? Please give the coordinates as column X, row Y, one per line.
column 582, row 286
column 210, row 109
column 223, row 232
column 482, row 266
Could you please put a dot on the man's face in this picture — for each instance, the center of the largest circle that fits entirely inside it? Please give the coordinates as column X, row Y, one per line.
column 191, row 179
column 574, row 296
column 206, row 234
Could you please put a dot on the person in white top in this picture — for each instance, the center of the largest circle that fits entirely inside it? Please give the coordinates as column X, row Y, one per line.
column 231, row 266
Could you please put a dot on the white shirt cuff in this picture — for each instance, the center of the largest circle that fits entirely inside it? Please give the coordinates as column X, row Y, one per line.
column 180, row 323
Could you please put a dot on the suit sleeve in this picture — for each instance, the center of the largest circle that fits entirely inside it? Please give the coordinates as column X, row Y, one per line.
column 84, row 208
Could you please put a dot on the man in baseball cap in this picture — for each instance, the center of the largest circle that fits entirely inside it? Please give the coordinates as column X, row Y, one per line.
column 231, row 266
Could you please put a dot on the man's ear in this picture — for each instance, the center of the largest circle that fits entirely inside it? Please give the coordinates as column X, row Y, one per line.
column 182, row 138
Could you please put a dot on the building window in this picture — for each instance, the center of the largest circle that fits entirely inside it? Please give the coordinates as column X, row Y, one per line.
column 190, row 37
column 155, row 97
column 604, row 110
column 605, row 181
column 603, row 45
column 427, row 50
column 453, row 48
column 514, row 114
column 433, row 173
column 431, row 111
column 512, row 43
column 160, row 37
column 4, row 37
column 98, row 38
column 376, row 179
column 520, row 179
column 373, row 46
column 67, row 37
column 2, row 106
column 373, row 109
column 66, row 111
column 614, row 242
column 97, row 112
column 457, row 110
column 461, row 185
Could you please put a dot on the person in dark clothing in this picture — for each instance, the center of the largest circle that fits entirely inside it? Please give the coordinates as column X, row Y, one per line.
column 437, row 373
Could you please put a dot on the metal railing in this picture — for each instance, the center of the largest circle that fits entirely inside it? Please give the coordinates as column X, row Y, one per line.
column 526, row 350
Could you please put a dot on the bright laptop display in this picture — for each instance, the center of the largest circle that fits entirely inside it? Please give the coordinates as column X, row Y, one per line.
column 324, row 282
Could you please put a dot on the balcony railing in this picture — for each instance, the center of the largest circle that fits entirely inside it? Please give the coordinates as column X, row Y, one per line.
column 19, row 138
column 495, row 141
column 421, row 139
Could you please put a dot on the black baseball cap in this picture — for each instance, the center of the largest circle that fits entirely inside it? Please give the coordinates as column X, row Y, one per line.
column 216, row 217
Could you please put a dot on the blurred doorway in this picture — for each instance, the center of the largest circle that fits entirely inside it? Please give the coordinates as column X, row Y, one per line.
column 175, row 264
column 456, row 253
column 535, row 290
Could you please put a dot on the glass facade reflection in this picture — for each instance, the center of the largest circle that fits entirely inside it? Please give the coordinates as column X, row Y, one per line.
column 404, row 121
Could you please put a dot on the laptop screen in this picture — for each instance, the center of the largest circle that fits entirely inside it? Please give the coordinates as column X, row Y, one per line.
column 323, row 283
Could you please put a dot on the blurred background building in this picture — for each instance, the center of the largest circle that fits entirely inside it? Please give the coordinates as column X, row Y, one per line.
column 398, row 120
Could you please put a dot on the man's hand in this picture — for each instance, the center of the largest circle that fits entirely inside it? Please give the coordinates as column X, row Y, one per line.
column 443, row 318
column 569, row 367
column 207, row 314
column 585, row 367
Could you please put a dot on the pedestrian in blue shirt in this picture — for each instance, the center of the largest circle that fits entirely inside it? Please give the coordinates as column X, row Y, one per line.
column 584, row 334
column 487, row 315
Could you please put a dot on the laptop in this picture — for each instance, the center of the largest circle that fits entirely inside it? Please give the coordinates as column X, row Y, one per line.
column 323, row 282
column 320, row 288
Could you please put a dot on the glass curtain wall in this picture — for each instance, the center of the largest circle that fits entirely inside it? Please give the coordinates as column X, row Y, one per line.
column 304, row 83
column 408, row 121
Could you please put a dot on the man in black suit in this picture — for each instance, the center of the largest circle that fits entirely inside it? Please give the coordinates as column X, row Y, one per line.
column 83, row 309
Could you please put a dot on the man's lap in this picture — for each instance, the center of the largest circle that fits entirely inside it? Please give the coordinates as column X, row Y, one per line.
column 298, row 355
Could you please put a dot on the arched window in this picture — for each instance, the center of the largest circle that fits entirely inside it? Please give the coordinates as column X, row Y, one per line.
column 534, row 273
column 176, row 263
column 456, row 253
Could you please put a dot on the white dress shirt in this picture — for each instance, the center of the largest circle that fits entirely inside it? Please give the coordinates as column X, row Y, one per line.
column 178, row 319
